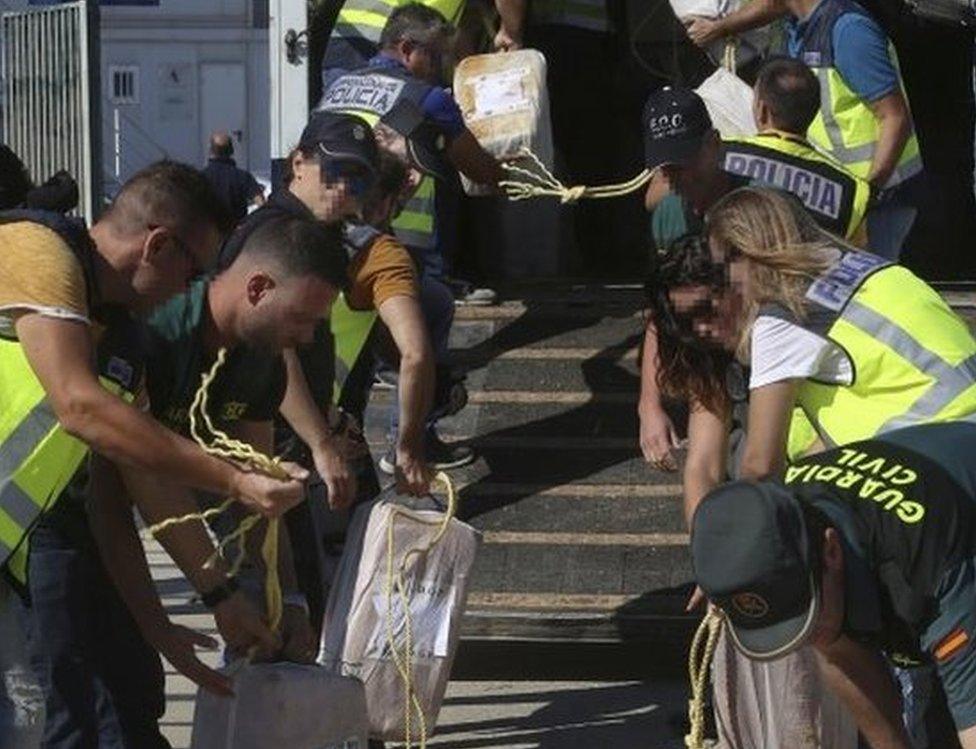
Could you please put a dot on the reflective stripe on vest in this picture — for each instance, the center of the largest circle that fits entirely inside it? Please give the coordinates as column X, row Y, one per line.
column 350, row 331
column 37, row 457
column 365, row 19
column 845, row 125
column 582, row 14
column 913, row 358
column 415, row 226
column 833, row 195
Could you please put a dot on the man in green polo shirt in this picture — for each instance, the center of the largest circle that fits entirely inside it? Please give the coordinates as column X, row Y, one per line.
column 282, row 284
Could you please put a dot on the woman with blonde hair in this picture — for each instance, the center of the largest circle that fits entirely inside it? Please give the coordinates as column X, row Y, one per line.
column 862, row 346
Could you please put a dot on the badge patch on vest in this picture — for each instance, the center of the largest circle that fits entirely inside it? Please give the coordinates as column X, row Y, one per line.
column 121, row 372
column 836, row 287
column 372, row 93
column 818, row 194
column 951, row 645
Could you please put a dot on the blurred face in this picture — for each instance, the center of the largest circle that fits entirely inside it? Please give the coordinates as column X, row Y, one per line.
column 332, row 191
column 713, row 313
column 425, row 59
column 694, row 179
column 282, row 312
column 168, row 261
column 738, row 267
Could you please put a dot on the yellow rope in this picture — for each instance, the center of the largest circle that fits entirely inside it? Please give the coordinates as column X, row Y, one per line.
column 395, row 580
column 539, row 182
column 222, row 445
column 699, row 666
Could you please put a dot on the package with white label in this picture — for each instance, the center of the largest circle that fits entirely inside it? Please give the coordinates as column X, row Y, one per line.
column 283, row 705
column 505, row 103
column 368, row 632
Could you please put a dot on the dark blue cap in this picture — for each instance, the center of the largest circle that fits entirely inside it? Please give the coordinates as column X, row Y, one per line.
column 751, row 556
column 675, row 124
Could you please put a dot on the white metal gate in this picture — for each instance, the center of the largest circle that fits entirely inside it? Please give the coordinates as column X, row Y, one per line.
column 51, row 94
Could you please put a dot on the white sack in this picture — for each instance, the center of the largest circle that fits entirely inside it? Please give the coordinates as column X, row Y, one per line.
column 354, row 639
column 729, row 102
column 283, row 705
column 505, row 103
column 782, row 704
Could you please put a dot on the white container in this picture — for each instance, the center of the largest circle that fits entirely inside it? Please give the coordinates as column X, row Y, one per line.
column 728, row 100
column 283, row 705
column 505, row 103
column 357, row 620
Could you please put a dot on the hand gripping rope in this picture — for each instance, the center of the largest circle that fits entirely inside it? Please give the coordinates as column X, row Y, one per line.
column 538, row 182
column 395, row 580
column 699, row 666
column 223, row 446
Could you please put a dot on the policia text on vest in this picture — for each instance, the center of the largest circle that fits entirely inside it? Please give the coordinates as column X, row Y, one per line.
column 835, row 197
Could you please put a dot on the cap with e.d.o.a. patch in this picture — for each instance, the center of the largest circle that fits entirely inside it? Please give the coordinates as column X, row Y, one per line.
column 675, row 124
column 751, row 557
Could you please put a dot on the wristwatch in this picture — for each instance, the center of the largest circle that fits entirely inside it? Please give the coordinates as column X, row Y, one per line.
column 216, row 596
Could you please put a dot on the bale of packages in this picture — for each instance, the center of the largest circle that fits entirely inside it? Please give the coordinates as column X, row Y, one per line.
column 505, row 103
column 282, row 705
column 360, row 623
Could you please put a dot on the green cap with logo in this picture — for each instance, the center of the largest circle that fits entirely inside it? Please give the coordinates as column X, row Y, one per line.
column 751, row 556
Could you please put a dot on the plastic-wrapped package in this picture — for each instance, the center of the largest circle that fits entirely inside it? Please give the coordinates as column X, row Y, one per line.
column 505, row 104
column 283, row 705
column 358, row 621
column 728, row 99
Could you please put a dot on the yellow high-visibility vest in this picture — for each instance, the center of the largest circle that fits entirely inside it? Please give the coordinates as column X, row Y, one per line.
column 913, row 359
column 833, row 195
column 845, row 126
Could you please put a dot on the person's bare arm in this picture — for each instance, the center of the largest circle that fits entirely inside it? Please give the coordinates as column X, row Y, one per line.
column 967, row 737
column 860, row 677
column 306, row 418
column 468, row 157
column 189, row 545
column 658, row 437
column 770, row 411
column 703, row 31
column 60, row 353
column 511, row 31
column 705, row 469
column 404, row 319
column 114, row 529
column 894, row 130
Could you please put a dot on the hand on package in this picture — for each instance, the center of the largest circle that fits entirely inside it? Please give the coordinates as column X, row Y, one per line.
column 702, row 30
column 269, row 496
column 299, row 638
column 413, row 475
column 659, row 439
column 333, row 467
column 177, row 645
column 243, row 628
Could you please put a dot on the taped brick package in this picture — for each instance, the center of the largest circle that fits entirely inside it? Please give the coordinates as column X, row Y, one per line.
column 505, row 104
column 283, row 705
column 359, row 623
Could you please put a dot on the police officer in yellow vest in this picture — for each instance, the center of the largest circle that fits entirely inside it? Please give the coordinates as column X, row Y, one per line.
column 787, row 98
column 57, row 290
column 864, row 119
column 355, row 37
column 398, row 88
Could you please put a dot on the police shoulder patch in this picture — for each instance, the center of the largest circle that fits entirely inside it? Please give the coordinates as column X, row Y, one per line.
column 951, row 644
